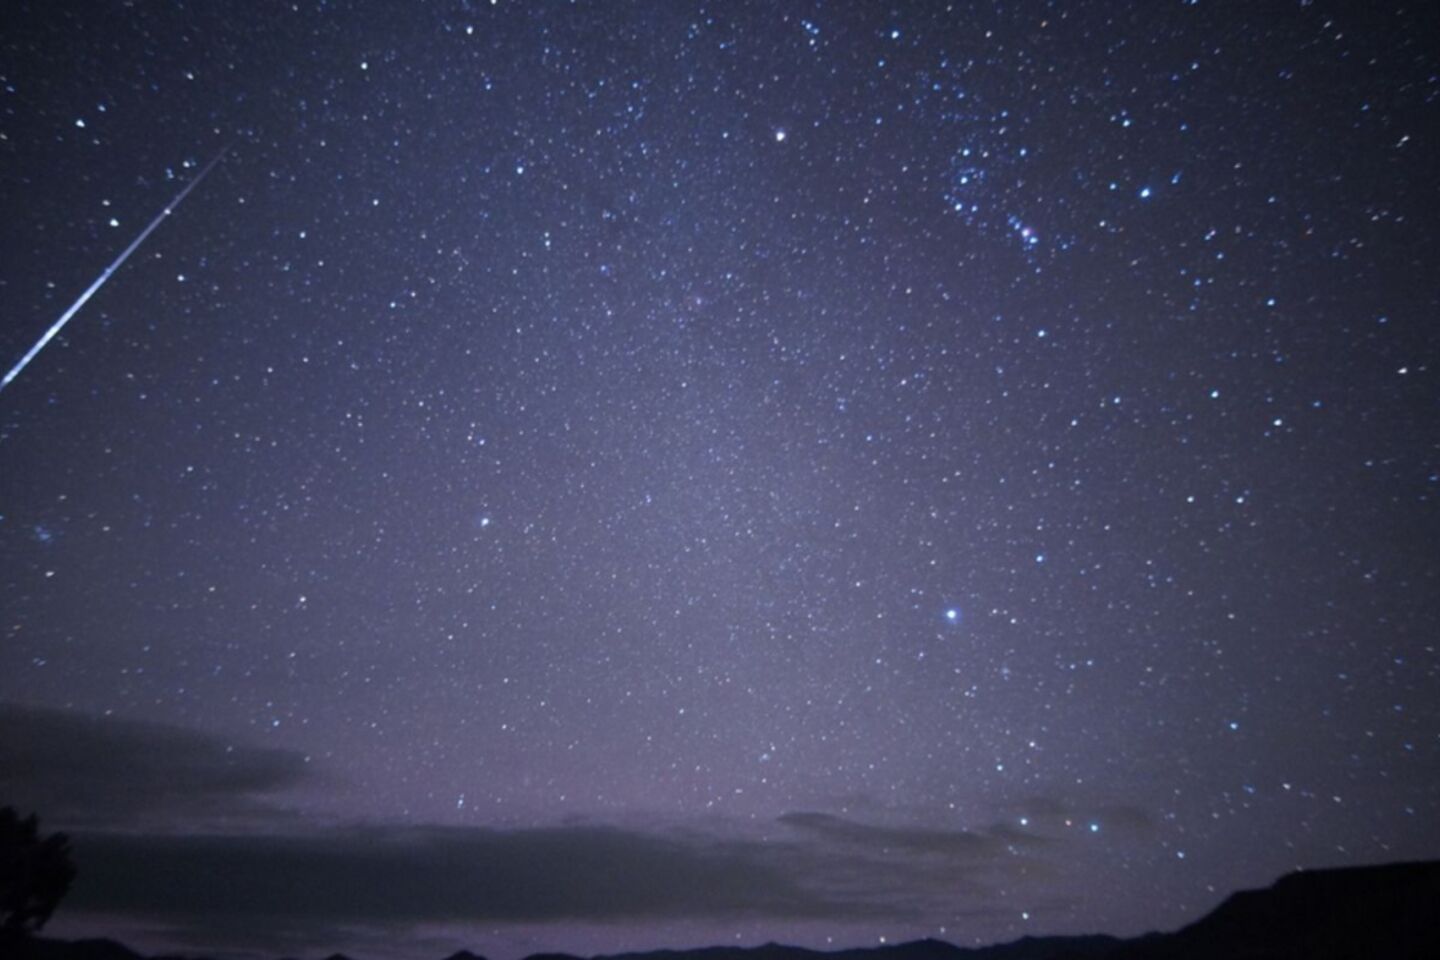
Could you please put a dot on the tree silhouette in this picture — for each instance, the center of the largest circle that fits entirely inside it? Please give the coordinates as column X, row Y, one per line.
column 35, row 873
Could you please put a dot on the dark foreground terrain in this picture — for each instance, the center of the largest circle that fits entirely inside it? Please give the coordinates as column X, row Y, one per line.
column 1390, row 912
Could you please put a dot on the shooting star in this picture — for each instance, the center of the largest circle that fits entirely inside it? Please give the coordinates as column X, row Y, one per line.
column 100, row 281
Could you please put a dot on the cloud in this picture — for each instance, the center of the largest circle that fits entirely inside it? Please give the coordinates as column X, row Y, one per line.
column 962, row 844
column 822, row 868
column 185, row 835
column 408, row 876
column 79, row 771
column 913, row 871
column 298, row 890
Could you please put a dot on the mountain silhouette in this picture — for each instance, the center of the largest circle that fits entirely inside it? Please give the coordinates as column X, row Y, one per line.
column 1353, row 913
column 1391, row 911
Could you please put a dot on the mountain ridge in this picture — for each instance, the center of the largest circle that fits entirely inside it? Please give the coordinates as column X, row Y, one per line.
column 1345, row 913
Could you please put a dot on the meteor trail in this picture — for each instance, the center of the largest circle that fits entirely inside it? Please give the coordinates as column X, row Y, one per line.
column 100, row 281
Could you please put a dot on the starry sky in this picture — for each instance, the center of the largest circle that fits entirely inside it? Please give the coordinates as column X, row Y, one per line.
column 615, row 475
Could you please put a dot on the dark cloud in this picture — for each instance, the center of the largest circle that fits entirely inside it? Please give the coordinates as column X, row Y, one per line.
column 79, row 770
column 910, row 870
column 184, row 833
column 408, row 876
column 963, row 844
column 825, row 868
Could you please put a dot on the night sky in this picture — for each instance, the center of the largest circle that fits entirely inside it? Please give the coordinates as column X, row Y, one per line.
column 620, row 475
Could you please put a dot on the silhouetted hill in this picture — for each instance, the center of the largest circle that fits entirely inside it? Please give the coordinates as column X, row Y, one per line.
column 1391, row 912
column 1027, row 948
column 68, row 950
column 1357, row 913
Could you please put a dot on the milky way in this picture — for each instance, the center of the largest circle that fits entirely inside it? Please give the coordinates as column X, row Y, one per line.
column 661, row 474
